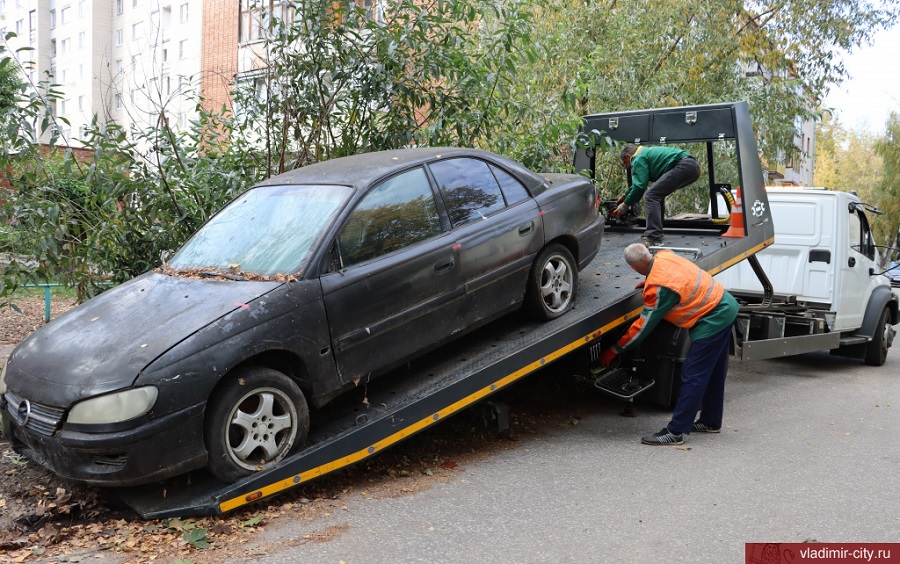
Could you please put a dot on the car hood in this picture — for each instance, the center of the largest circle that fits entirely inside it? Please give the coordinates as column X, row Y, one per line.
column 103, row 344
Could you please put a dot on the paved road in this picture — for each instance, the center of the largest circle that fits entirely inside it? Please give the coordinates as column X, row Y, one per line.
column 809, row 452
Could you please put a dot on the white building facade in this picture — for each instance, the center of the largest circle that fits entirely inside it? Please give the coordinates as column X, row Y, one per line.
column 129, row 61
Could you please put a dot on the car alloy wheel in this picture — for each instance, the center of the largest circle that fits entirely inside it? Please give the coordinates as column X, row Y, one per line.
column 552, row 284
column 255, row 419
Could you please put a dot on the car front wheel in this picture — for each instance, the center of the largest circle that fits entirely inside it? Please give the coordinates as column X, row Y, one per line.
column 258, row 417
column 552, row 283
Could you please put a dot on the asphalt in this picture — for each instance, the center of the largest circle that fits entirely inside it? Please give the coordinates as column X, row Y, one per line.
column 808, row 454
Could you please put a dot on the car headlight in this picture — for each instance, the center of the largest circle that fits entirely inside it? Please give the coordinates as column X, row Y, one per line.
column 114, row 408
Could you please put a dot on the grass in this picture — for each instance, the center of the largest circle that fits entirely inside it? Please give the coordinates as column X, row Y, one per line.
column 33, row 292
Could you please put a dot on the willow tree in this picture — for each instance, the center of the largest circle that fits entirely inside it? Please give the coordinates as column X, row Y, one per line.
column 780, row 55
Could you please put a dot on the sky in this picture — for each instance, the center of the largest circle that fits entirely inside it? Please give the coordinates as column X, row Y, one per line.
column 864, row 101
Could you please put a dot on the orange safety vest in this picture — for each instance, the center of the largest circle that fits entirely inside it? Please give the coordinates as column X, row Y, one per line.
column 698, row 293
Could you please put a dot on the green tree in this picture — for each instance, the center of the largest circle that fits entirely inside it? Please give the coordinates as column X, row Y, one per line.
column 888, row 148
column 780, row 55
column 340, row 82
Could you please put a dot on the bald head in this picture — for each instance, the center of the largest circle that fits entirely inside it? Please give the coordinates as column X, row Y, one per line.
column 638, row 257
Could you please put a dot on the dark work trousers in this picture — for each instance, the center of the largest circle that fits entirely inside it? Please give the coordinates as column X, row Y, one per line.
column 702, row 383
column 685, row 171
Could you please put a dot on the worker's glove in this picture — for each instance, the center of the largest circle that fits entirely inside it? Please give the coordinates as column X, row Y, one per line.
column 620, row 199
column 607, row 356
column 639, row 285
column 622, row 209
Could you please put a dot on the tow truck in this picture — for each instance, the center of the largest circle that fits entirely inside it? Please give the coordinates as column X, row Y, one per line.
column 465, row 372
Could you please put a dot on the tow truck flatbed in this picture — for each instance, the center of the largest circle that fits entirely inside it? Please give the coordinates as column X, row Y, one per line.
column 430, row 389
column 445, row 381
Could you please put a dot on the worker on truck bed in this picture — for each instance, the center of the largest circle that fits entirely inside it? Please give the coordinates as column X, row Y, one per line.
column 669, row 169
column 678, row 291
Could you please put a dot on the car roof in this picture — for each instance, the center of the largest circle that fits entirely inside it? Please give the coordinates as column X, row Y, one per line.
column 362, row 169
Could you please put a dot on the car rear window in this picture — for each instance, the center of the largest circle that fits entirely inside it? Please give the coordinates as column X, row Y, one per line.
column 468, row 188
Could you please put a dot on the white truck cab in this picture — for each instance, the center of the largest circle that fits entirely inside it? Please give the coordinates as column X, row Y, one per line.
column 823, row 265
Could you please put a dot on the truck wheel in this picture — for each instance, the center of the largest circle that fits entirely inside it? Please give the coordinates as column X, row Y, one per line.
column 876, row 350
column 255, row 419
column 552, row 283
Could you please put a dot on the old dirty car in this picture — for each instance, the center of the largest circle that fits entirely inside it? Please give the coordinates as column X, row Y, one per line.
column 293, row 293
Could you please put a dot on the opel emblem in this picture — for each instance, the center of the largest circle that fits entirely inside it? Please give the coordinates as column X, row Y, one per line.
column 25, row 411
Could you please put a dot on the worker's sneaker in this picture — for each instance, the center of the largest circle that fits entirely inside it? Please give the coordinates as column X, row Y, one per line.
column 703, row 428
column 663, row 437
column 647, row 242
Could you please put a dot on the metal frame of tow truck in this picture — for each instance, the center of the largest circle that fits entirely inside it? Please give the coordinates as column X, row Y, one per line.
column 464, row 372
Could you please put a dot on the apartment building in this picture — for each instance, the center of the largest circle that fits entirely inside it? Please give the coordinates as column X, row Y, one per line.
column 129, row 61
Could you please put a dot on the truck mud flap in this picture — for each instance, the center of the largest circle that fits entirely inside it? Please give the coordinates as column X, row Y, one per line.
column 787, row 346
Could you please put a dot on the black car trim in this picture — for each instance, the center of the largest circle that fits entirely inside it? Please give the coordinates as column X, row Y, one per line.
column 357, row 337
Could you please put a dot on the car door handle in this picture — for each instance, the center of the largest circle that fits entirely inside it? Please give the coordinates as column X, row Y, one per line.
column 445, row 265
column 526, row 229
column 851, row 261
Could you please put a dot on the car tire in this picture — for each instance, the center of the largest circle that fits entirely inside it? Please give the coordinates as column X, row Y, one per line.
column 255, row 419
column 552, row 283
column 876, row 350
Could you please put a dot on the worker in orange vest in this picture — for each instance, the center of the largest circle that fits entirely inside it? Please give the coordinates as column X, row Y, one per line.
column 678, row 291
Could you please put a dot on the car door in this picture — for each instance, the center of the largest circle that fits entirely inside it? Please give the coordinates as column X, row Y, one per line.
column 400, row 282
column 497, row 228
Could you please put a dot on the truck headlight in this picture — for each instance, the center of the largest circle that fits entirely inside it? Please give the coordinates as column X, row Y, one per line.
column 3, row 380
column 114, row 408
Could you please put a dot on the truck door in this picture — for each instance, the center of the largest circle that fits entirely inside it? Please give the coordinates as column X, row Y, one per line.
column 855, row 281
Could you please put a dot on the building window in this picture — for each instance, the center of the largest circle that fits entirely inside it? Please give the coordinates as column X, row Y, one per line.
column 80, row 70
column 81, row 103
column 20, row 27
column 183, row 12
column 81, row 9
column 256, row 18
column 52, row 19
column 63, row 75
column 120, row 7
column 120, row 37
column 118, row 101
column 64, row 15
column 136, row 30
column 65, row 45
column 120, row 66
column 62, row 107
column 81, row 40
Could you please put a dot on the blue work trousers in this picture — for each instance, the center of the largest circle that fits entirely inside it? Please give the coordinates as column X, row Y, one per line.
column 702, row 383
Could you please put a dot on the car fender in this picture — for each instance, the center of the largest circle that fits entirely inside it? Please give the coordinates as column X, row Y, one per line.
column 293, row 339
column 881, row 297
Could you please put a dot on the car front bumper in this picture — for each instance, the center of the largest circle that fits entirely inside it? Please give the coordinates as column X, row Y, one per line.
column 159, row 448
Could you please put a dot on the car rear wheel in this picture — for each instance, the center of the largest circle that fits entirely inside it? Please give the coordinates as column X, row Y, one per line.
column 876, row 350
column 552, row 283
column 255, row 419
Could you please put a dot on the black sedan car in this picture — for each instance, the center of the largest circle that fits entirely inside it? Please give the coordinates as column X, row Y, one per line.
column 298, row 290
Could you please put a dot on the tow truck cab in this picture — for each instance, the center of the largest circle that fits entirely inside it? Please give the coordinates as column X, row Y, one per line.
column 825, row 280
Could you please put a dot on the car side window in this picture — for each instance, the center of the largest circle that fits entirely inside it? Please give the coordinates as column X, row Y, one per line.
column 513, row 190
column 468, row 188
column 397, row 213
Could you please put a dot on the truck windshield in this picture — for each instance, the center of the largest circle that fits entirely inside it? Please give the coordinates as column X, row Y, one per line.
column 266, row 231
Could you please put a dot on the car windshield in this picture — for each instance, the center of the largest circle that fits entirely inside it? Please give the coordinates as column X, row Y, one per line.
column 267, row 231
